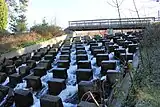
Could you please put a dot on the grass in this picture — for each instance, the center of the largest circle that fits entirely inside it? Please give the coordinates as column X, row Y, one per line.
column 29, row 43
column 146, row 91
column 148, row 97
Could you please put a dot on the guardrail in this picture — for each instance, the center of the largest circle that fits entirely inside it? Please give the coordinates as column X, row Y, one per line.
column 110, row 22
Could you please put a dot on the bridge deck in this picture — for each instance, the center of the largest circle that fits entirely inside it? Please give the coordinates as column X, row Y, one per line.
column 100, row 24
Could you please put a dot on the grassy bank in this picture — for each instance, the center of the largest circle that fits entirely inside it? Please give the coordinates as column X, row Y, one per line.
column 12, row 42
column 38, row 33
column 146, row 87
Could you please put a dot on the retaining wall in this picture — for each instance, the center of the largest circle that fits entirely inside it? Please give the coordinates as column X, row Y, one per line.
column 29, row 49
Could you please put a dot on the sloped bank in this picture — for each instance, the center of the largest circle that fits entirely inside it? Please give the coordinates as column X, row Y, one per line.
column 31, row 48
column 146, row 90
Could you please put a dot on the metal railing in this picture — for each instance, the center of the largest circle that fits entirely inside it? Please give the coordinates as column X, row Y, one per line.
column 112, row 22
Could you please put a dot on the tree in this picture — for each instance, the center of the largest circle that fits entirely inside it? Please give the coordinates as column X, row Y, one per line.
column 17, row 17
column 44, row 23
column 21, row 20
column 12, row 14
column 3, row 15
column 117, row 5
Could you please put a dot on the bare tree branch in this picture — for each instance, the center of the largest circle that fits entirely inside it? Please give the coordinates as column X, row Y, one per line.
column 136, row 8
column 121, row 3
column 114, row 2
column 111, row 4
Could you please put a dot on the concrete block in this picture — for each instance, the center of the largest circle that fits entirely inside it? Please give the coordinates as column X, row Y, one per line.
column 85, row 86
column 39, row 71
column 49, row 57
column 80, row 48
column 50, row 101
column 100, row 58
column 93, row 44
column 84, row 75
column 24, row 71
column 95, row 47
column 64, row 57
column 104, row 41
column 115, row 38
column 34, row 82
column 111, row 48
column 66, row 52
column 65, row 49
column 45, row 63
column 116, row 46
column 31, row 63
column 52, row 52
column 18, row 62
column 132, row 48
column 10, row 70
column 55, row 86
column 98, row 51
column 107, row 65
column 135, row 40
column 113, row 76
column 108, row 43
column 3, row 77
column 8, row 62
column 14, row 79
column 118, row 51
column 36, row 57
column 84, row 64
column 63, row 63
column 78, row 45
column 60, row 73
column 128, row 56
column 81, row 52
column 25, row 58
column 80, row 57
column 3, row 92
column 23, row 98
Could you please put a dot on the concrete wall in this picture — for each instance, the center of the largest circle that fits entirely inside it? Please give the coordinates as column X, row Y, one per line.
column 29, row 49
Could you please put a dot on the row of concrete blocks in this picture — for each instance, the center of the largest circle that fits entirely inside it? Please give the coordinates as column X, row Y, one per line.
column 84, row 71
column 55, row 86
column 24, row 98
column 120, row 53
column 38, row 70
column 41, row 71
column 60, row 83
column 33, row 78
column 18, row 60
column 45, row 100
column 52, row 83
column 111, row 46
column 11, row 69
column 16, row 77
column 51, row 99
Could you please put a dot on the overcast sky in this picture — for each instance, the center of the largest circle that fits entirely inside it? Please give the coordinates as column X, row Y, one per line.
column 62, row 11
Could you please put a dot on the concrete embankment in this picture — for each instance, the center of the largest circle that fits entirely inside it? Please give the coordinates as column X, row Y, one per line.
column 31, row 48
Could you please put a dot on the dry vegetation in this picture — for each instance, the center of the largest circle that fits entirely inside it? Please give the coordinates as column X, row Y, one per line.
column 11, row 42
column 146, row 91
column 39, row 33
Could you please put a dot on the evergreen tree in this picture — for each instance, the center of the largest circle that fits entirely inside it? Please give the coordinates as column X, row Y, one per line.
column 21, row 21
column 12, row 14
column 3, row 15
column 17, row 17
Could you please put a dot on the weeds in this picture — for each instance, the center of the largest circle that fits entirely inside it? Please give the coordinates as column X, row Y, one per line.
column 147, row 80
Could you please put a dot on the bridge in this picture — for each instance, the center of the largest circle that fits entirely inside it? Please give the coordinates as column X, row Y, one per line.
column 104, row 24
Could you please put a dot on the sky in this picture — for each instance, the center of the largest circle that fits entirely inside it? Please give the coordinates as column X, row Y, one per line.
column 59, row 12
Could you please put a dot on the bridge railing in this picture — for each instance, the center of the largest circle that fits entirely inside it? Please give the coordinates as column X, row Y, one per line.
column 112, row 22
